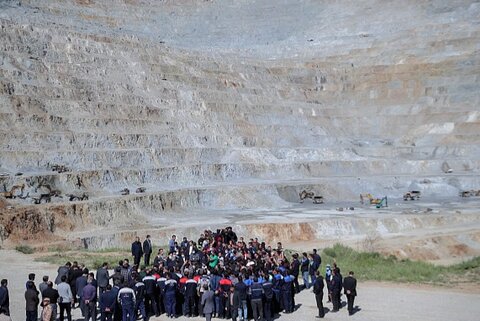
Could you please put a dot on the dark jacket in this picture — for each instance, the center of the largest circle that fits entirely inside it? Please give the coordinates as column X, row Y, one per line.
column 63, row 270
column 4, row 300
column 147, row 247
column 50, row 293
column 137, row 249
column 350, row 284
column 295, row 267
column 256, row 291
column 336, row 283
column 305, row 264
column 102, row 277
column 31, row 300
column 318, row 286
column 108, row 300
column 241, row 288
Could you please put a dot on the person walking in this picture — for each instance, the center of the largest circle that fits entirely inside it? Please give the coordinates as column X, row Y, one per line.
column 350, row 290
column 318, row 290
column 208, row 302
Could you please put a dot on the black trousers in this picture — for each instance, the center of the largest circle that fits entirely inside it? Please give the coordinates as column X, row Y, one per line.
column 66, row 307
column 146, row 259
column 350, row 301
column 319, row 299
column 336, row 300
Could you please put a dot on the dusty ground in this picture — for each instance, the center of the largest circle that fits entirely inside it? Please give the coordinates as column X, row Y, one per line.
column 377, row 301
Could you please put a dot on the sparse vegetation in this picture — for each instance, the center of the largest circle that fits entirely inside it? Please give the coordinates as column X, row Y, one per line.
column 25, row 249
column 374, row 266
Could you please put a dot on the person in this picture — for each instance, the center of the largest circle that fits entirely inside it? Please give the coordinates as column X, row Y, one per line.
column 171, row 244
column 256, row 297
column 31, row 302
column 65, row 298
column 42, row 286
column 63, row 270
column 47, row 312
column 102, row 277
column 89, row 297
column 80, row 284
column 107, row 303
column 304, row 268
column 328, row 281
column 170, row 296
column 4, row 298
column 241, row 290
column 350, row 290
column 52, row 295
column 139, row 289
column 295, row 268
column 147, row 250
column 126, row 298
column 150, row 284
column 268, row 295
column 137, row 251
column 318, row 290
column 208, row 302
column 336, row 284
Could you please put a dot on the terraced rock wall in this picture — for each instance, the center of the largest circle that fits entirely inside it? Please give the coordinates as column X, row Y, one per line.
column 224, row 126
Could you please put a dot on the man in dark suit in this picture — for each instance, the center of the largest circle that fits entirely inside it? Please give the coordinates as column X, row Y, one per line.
column 147, row 250
column 318, row 290
column 137, row 251
column 350, row 288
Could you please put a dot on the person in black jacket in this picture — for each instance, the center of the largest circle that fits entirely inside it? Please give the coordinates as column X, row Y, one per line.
column 137, row 251
column 318, row 290
column 4, row 298
column 147, row 250
column 336, row 289
column 150, row 294
column 108, row 300
column 295, row 267
column 350, row 288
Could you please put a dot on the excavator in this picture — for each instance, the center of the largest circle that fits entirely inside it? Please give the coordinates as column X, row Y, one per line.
column 372, row 200
column 383, row 203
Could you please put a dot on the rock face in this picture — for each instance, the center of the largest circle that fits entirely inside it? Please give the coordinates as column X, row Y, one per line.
column 230, row 105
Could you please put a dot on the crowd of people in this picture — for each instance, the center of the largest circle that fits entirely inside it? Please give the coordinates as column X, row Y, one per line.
column 218, row 276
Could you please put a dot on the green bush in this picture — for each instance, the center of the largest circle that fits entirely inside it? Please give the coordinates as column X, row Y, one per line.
column 25, row 249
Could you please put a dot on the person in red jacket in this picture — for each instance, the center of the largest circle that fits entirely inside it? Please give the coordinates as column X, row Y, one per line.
column 223, row 290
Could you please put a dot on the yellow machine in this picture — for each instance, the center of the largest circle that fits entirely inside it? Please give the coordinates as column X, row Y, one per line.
column 372, row 200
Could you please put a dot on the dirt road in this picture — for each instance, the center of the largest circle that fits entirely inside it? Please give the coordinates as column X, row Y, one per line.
column 377, row 301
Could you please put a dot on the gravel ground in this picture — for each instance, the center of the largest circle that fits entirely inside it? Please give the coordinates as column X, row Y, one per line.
column 376, row 301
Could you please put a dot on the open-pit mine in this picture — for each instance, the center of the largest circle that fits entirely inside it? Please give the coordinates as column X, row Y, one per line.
column 306, row 122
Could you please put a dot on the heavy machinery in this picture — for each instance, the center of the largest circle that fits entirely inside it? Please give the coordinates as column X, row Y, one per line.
column 372, row 200
column 470, row 193
column 412, row 195
column 383, row 203
column 316, row 199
